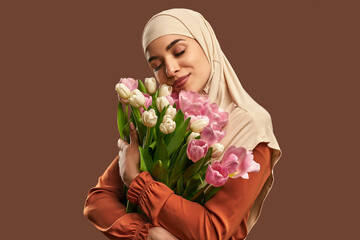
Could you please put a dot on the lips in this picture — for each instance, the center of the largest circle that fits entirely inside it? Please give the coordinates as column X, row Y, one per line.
column 181, row 81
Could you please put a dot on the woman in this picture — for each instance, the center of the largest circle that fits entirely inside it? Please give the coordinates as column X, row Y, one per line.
column 182, row 50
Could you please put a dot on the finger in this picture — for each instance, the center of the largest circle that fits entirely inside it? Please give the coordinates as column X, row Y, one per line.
column 133, row 135
column 121, row 144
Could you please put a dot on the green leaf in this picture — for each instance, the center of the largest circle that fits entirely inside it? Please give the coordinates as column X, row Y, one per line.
column 120, row 119
column 146, row 162
column 174, row 140
column 179, row 120
column 141, row 87
column 154, row 97
column 179, row 186
column 162, row 154
column 159, row 172
column 192, row 186
column 140, row 127
column 203, row 171
column 208, row 156
column 193, row 169
column 126, row 132
column 179, row 117
column 173, row 158
column 180, row 163
column 197, row 166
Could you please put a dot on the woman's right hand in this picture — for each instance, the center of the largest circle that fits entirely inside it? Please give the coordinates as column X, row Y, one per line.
column 159, row 233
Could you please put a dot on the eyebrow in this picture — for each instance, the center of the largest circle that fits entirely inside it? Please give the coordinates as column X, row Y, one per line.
column 167, row 48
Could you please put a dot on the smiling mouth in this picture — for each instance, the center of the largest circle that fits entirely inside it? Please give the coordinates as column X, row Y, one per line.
column 181, row 81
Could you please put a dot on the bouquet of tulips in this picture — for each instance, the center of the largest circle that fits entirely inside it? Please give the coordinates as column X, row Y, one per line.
column 179, row 138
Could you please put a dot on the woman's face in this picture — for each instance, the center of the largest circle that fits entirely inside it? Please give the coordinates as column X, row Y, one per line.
column 178, row 61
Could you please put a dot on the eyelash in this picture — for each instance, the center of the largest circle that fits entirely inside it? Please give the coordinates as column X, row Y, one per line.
column 179, row 53
column 176, row 55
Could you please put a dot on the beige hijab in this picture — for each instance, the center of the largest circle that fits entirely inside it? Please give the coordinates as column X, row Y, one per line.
column 249, row 123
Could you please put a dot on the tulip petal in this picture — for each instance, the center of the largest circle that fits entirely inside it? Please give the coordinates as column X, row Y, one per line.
column 209, row 135
column 216, row 175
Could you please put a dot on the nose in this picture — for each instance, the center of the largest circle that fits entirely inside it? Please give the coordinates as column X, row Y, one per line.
column 172, row 67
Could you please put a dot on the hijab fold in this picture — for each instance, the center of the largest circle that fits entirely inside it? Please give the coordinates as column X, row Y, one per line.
column 249, row 123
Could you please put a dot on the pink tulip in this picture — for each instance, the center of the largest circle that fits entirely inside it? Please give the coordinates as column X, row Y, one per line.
column 175, row 97
column 246, row 165
column 212, row 134
column 216, row 174
column 170, row 99
column 196, row 149
column 130, row 83
column 148, row 102
column 193, row 103
column 216, row 114
column 124, row 101
column 238, row 162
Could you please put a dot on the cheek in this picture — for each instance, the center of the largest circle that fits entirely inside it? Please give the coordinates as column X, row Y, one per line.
column 204, row 67
column 160, row 77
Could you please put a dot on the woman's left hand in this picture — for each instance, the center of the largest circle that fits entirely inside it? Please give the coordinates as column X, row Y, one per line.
column 129, row 157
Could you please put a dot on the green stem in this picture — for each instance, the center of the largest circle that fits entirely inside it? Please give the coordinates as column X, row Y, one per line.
column 153, row 144
column 147, row 138
column 206, row 187
column 126, row 112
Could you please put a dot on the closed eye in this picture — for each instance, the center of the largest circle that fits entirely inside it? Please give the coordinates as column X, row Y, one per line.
column 157, row 68
column 179, row 53
column 176, row 55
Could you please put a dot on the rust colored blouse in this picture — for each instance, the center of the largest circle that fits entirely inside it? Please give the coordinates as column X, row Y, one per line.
column 224, row 216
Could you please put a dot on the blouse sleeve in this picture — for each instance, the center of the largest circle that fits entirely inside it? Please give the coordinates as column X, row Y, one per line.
column 222, row 217
column 104, row 209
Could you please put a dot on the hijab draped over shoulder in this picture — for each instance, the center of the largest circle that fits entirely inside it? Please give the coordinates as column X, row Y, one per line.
column 249, row 123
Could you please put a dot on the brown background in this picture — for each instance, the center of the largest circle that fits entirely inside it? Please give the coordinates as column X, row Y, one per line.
column 60, row 61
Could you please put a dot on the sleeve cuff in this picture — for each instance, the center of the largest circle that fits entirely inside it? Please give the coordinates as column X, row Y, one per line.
column 149, row 194
column 139, row 186
column 142, row 232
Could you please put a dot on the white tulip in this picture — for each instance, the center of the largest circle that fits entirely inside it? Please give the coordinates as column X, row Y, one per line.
column 122, row 90
column 137, row 99
column 171, row 111
column 218, row 148
column 192, row 136
column 168, row 125
column 161, row 102
column 198, row 125
column 165, row 90
column 149, row 118
column 150, row 85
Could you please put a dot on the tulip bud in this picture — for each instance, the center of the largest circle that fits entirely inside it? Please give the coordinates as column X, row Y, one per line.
column 168, row 125
column 149, row 118
column 122, row 90
column 150, row 85
column 161, row 102
column 198, row 125
column 218, row 148
column 165, row 90
column 192, row 136
column 137, row 99
column 196, row 149
column 171, row 111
